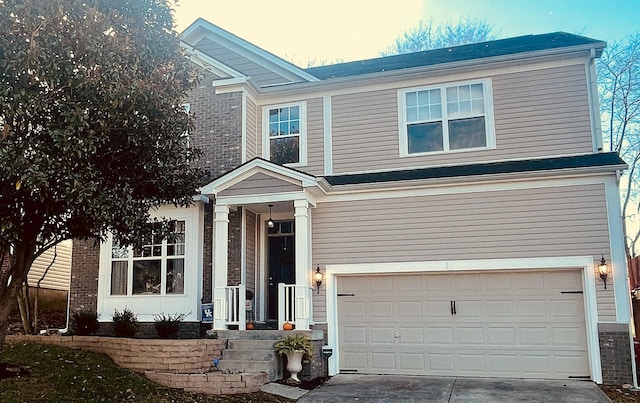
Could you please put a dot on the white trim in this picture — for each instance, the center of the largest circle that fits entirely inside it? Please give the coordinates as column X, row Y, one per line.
column 148, row 305
column 594, row 104
column 259, row 165
column 267, row 198
column 302, row 135
column 487, row 94
column 333, row 271
column 243, row 246
column 328, row 134
column 618, row 263
column 207, row 62
column 462, row 187
column 202, row 28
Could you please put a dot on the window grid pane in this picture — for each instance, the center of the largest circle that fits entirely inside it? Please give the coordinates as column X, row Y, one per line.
column 460, row 121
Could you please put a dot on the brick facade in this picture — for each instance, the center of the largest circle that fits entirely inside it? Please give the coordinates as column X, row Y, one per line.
column 218, row 134
column 615, row 353
column 83, row 289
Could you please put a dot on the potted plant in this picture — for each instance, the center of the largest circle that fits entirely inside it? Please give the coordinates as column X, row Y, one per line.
column 168, row 326
column 295, row 347
column 125, row 323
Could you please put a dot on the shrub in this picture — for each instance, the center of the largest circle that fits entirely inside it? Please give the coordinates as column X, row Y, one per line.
column 125, row 323
column 296, row 342
column 84, row 323
column 168, row 326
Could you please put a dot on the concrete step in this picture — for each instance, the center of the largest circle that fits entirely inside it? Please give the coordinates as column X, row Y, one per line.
column 250, row 344
column 264, row 334
column 272, row 368
column 249, row 355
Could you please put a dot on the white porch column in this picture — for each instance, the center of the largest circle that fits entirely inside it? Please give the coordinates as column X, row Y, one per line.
column 303, row 264
column 220, row 266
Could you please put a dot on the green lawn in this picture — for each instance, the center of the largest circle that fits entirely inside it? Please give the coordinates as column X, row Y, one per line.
column 61, row 374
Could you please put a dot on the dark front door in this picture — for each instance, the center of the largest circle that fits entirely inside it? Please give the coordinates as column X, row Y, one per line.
column 281, row 262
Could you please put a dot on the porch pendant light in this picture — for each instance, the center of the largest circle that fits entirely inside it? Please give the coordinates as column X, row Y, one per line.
column 270, row 223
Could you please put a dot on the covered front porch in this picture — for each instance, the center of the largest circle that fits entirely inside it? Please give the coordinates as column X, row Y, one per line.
column 276, row 282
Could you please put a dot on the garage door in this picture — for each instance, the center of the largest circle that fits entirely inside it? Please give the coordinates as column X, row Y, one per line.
column 500, row 324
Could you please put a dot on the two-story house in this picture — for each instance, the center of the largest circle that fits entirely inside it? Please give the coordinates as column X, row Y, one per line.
column 456, row 205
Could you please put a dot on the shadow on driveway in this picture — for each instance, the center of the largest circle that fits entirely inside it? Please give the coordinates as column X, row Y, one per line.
column 390, row 388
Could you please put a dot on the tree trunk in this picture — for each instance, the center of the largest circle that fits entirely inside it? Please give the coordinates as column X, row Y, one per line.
column 25, row 308
column 13, row 277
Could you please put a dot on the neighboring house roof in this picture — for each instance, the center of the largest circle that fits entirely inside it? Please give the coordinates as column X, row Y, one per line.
column 507, row 167
column 483, row 50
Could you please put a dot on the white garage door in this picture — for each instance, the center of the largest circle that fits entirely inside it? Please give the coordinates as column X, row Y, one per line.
column 499, row 324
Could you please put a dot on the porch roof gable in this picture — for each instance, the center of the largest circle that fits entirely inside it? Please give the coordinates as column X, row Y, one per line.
column 259, row 165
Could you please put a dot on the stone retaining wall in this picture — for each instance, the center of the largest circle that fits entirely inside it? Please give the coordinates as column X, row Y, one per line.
column 190, row 356
column 213, row 383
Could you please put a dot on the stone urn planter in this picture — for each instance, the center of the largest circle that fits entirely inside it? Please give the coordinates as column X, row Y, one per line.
column 294, row 364
column 295, row 347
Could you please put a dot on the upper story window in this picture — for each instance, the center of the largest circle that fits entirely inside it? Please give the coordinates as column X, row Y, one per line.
column 285, row 134
column 453, row 117
column 157, row 268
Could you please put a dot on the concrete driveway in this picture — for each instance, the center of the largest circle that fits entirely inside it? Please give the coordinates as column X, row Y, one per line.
column 387, row 388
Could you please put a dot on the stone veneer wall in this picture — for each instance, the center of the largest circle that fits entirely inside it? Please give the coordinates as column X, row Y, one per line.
column 181, row 364
column 615, row 353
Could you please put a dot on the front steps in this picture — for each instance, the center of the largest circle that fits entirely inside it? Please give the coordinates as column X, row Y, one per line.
column 251, row 351
column 251, row 356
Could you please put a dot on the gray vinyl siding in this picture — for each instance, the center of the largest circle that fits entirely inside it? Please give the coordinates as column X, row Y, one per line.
column 58, row 276
column 259, row 74
column 259, row 183
column 250, row 262
column 252, row 130
column 537, row 113
column 539, row 222
column 315, row 137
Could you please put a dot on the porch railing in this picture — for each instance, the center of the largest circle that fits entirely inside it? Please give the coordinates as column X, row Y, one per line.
column 294, row 299
column 236, row 314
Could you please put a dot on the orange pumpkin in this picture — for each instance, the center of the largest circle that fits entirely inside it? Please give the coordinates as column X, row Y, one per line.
column 287, row 326
column 249, row 326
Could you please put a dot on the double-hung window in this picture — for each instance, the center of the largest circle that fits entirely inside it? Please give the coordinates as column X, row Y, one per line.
column 285, row 134
column 156, row 269
column 452, row 117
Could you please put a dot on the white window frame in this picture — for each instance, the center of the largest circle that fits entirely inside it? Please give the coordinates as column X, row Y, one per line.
column 488, row 117
column 302, row 136
column 163, row 257
column 147, row 305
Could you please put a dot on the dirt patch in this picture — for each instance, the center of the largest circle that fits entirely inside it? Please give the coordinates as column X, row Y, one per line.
column 12, row 371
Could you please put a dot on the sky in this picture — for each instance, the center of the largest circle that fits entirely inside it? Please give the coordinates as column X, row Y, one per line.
column 329, row 31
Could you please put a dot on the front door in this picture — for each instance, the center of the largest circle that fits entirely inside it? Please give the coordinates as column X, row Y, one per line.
column 281, row 263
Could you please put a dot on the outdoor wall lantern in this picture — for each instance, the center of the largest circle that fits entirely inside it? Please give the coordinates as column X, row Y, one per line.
column 318, row 278
column 270, row 223
column 603, row 271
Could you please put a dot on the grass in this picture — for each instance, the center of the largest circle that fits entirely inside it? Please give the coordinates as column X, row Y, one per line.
column 60, row 374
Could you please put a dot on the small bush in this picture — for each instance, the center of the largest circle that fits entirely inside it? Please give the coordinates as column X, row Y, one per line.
column 168, row 326
column 125, row 323
column 84, row 323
